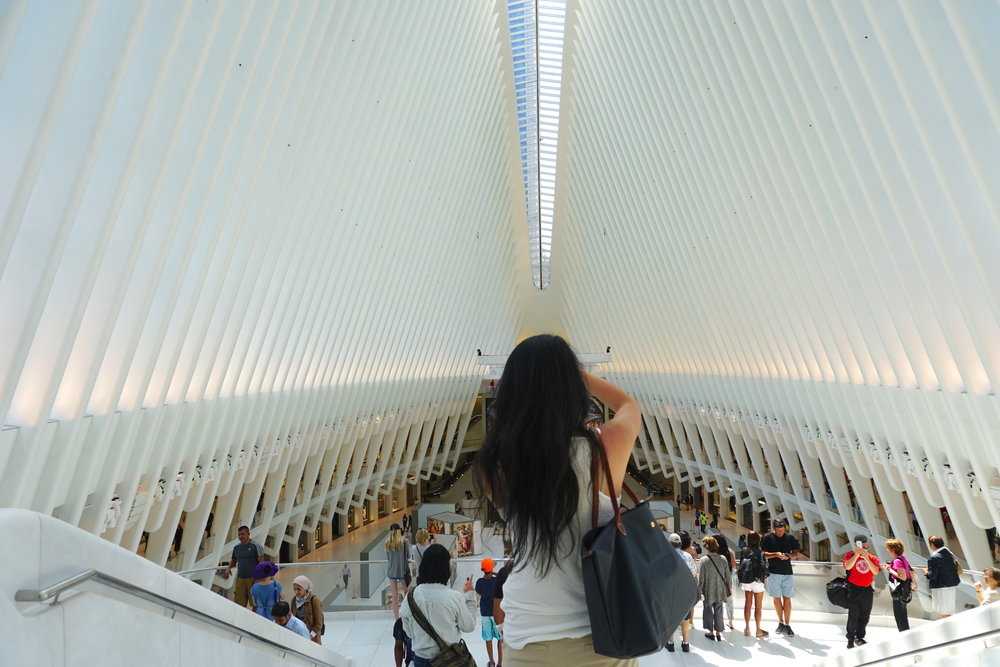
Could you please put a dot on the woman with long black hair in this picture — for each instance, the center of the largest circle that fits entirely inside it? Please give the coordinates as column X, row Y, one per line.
column 535, row 465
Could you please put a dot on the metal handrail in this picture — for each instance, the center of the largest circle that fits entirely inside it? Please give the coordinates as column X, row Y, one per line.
column 463, row 559
column 282, row 565
column 55, row 590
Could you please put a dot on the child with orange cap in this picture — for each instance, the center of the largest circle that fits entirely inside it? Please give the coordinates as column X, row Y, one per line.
column 485, row 587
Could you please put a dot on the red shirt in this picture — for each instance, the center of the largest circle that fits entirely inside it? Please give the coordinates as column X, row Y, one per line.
column 862, row 573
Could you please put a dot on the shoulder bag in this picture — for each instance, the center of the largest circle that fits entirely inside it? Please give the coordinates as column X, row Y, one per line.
column 638, row 589
column 836, row 591
column 725, row 580
column 900, row 589
column 451, row 655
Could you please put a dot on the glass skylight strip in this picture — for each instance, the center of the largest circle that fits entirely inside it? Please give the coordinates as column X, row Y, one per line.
column 536, row 31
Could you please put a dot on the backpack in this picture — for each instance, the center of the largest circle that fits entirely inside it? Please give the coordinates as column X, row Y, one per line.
column 745, row 572
column 751, row 568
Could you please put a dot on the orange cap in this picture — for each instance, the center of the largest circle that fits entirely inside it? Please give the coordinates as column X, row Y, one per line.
column 486, row 565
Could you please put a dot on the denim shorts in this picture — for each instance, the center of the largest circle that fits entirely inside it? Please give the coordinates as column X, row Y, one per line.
column 780, row 586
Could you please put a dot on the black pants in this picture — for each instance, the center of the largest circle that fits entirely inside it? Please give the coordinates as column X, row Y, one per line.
column 859, row 610
column 899, row 611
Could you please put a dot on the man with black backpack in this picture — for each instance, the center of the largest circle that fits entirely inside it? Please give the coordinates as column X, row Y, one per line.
column 752, row 573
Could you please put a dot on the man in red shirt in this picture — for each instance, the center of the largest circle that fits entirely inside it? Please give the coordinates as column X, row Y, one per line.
column 861, row 568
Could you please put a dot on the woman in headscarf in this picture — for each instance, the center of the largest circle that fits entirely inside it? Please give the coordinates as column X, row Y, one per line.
column 308, row 608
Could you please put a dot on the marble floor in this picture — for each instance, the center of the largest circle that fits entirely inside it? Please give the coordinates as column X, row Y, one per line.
column 367, row 638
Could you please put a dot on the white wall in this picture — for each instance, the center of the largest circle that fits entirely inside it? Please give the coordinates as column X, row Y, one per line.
column 923, row 638
column 95, row 624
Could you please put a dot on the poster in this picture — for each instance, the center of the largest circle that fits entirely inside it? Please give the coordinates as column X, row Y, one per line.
column 463, row 531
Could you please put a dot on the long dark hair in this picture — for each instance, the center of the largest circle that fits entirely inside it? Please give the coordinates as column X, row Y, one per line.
column 435, row 566
column 525, row 463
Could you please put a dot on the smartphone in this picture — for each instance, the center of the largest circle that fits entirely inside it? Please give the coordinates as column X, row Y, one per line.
column 859, row 545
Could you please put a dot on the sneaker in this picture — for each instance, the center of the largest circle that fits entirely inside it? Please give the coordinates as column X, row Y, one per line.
column 686, row 647
column 780, row 630
column 670, row 647
column 850, row 643
column 860, row 642
column 788, row 631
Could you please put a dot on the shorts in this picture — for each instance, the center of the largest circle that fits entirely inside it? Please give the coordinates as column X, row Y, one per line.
column 781, row 586
column 944, row 600
column 397, row 630
column 576, row 652
column 490, row 629
column 753, row 587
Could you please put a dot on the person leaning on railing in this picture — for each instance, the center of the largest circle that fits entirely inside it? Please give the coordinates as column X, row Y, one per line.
column 991, row 577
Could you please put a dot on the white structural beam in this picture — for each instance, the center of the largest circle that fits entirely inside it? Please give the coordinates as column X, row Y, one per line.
column 247, row 253
column 783, row 217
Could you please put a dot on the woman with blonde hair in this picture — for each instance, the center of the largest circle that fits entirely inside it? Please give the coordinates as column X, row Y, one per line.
column 397, row 549
column 423, row 540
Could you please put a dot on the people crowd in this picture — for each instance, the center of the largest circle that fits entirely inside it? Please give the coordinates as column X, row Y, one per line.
column 761, row 564
column 535, row 465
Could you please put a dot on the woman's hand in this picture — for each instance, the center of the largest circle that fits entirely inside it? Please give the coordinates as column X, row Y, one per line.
column 468, row 585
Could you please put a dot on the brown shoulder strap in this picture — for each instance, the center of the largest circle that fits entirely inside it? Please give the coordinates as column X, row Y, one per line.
column 422, row 621
column 595, row 483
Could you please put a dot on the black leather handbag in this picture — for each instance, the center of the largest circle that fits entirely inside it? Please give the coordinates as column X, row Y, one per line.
column 836, row 592
column 638, row 588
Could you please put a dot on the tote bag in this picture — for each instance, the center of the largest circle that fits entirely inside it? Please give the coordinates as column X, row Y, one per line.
column 638, row 589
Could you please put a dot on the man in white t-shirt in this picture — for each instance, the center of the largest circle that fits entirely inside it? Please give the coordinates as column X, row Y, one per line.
column 677, row 543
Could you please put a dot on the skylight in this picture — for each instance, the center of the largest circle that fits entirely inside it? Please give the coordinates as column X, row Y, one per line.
column 536, row 35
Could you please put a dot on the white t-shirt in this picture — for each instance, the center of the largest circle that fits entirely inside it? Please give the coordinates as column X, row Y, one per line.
column 540, row 608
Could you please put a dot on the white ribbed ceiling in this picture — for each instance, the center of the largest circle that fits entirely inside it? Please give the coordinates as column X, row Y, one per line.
column 251, row 239
column 250, row 247
column 783, row 217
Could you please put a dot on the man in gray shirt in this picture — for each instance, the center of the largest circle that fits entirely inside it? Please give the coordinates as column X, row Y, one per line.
column 246, row 555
